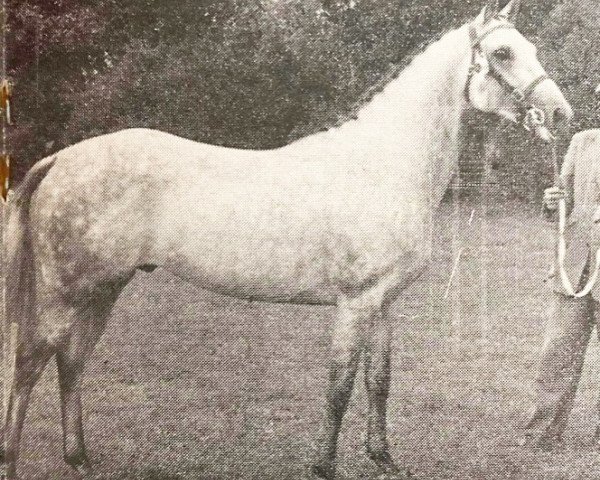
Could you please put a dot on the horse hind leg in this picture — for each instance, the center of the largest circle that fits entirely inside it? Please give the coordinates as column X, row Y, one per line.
column 30, row 361
column 89, row 324
column 31, row 357
column 70, row 361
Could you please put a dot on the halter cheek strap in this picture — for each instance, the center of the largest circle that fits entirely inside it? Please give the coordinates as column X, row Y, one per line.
column 519, row 95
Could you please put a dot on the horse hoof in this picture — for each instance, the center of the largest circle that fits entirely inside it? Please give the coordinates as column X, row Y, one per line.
column 387, row 466
column 84, row 471
column 321, row 472
column 596, row 438
column 77, row 459
column 82, row 466
column 5, row 475
column 552, row 443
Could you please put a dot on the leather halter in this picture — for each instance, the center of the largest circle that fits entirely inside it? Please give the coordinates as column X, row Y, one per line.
column 519, row 95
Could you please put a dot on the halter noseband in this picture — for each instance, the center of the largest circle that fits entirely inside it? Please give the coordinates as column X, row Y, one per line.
column 534, row 116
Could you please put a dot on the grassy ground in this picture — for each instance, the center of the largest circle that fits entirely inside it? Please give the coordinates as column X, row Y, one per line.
column 185, row 385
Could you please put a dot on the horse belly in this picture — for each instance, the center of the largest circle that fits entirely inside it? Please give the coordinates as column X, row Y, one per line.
column 266, row 273
column 256, row 248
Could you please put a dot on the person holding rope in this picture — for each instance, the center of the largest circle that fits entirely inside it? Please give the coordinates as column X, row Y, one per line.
column 575, row 309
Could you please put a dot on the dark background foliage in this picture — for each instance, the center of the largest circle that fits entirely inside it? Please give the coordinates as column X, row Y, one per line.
column 254, row 74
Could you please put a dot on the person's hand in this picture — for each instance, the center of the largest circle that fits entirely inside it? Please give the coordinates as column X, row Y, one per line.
column 552, row 196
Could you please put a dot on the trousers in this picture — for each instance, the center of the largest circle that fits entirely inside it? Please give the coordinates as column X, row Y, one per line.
column 567, row 335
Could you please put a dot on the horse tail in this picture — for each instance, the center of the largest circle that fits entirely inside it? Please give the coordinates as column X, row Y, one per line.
column 19, row 264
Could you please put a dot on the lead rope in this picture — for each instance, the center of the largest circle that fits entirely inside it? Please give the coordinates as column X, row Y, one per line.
column 562, row 244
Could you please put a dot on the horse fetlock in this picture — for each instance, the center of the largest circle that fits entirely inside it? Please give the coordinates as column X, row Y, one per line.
column 377, row 446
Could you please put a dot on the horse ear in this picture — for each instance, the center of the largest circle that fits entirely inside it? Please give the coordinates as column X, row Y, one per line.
column 511, row 11
column 489, row 11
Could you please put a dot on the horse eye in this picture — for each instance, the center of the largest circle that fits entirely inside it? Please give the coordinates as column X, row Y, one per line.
column 502, row 54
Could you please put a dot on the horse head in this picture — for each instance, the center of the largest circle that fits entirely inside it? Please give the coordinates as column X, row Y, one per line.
column 507, row 78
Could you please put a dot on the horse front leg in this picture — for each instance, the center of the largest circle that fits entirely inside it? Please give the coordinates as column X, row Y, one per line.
column 346, row 347
column 377, row 381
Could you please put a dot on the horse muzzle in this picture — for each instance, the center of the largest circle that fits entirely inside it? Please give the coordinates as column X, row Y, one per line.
column 549, row 113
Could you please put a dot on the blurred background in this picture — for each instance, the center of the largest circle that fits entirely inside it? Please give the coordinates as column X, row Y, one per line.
column 261, row 73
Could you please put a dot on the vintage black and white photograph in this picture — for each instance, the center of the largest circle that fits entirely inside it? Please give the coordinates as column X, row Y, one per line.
column 299, row 239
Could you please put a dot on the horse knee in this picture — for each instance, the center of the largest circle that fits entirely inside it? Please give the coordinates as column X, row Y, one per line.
column 345, row 356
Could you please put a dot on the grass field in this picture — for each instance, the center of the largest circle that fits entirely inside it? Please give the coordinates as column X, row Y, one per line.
column 186, row 385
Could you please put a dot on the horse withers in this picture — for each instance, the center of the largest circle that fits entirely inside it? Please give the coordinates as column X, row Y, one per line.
column 341, row 218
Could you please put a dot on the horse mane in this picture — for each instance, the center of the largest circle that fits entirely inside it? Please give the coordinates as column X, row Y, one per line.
column 394, row 70
column 412, row 122
column 420, row 75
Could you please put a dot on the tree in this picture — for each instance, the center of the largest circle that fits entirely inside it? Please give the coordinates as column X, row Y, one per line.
column 249, row 74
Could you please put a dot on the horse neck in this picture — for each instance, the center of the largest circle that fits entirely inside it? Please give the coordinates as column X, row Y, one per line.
column 412, row 126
